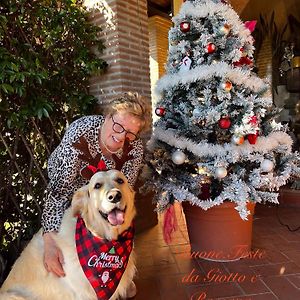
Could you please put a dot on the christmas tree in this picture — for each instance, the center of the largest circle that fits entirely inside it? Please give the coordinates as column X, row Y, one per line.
column 216, row 138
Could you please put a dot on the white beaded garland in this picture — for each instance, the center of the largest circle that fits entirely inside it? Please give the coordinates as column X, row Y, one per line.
column 178, row 157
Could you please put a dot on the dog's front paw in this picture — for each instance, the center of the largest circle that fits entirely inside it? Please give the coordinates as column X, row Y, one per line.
column 131, row 291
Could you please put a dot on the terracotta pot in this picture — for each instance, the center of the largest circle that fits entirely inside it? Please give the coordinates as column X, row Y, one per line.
column 289, row 197
column 219, row 234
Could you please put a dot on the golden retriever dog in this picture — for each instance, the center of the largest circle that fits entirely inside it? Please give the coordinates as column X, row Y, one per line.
column 106, row 205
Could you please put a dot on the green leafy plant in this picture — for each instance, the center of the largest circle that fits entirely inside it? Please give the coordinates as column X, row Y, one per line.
column 48, row 51
column 46, row 58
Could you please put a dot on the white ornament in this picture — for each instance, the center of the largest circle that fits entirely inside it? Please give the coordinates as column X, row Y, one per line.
column 185, row 64
column 267, row 165
column 178, row 157
column 221, row 172
column 196, row 112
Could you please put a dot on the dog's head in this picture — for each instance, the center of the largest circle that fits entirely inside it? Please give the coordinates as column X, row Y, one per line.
column 106, row 203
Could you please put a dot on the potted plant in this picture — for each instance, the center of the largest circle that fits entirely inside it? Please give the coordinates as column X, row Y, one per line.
column 216, row 143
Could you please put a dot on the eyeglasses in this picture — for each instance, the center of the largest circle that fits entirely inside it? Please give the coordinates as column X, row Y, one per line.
column 118, row 128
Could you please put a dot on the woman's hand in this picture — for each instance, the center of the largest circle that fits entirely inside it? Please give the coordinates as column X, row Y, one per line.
column 53, row 257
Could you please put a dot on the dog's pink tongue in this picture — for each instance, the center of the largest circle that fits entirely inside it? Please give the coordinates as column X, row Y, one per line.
column 116, row 217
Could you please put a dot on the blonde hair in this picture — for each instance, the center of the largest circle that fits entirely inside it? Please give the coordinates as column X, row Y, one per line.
column 132, row 103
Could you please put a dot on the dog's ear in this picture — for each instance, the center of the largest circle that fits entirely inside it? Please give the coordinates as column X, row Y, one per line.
column 79, row 200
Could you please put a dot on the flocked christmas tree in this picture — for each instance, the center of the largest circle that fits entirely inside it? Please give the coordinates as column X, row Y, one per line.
column 216, row 138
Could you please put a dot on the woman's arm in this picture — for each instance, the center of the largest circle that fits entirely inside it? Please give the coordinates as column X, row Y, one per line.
column 63, row 168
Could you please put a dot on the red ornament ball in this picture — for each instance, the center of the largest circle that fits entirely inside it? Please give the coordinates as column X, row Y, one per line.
column 244, row 53
column 211, row 48
column 185, row 26
column 224, row 123
column 252, row 138
column 160, row 111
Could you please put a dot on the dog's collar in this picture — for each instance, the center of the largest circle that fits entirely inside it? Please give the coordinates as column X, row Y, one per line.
column 101, row 259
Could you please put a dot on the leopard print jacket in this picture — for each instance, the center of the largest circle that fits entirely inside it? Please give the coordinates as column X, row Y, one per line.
column 64, row 168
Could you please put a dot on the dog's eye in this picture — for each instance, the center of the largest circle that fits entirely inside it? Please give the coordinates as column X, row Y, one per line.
column 97, row 185
column 120, row 181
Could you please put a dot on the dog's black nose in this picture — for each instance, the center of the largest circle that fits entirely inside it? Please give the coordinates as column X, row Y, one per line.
column 114, row 196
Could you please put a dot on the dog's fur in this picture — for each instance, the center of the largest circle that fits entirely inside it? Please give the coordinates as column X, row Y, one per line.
column 28, row 278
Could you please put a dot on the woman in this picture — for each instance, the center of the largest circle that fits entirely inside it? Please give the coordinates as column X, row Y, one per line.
column 126, row 117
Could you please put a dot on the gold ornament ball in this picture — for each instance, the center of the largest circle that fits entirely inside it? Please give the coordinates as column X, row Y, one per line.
column 237, row 139
column 225, row 29
column 227, row 86
column 202, row 123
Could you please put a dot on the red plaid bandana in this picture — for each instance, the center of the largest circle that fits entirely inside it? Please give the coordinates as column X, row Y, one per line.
column 103, row 261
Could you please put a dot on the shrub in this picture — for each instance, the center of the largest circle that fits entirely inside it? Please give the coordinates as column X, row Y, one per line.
column 48, row 51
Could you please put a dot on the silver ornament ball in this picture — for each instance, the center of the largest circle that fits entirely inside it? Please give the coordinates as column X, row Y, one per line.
column 196, row 112
column 267, row 165
column 178, row 157
column 221, row 172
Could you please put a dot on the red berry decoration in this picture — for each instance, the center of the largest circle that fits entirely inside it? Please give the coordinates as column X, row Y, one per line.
column 160, row 111
column 185, row 26
column 224, row 123
column 211, row 48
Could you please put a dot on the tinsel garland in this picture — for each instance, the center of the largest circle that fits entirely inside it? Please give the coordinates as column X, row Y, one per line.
column 232, row 152
column 269, row 180
column 237, row 189
column 203, row 73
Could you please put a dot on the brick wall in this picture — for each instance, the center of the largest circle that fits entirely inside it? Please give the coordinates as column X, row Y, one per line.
column 158, row 39
column 125, row 35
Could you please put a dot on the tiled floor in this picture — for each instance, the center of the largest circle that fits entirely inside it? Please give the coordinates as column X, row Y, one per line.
column 162, row 268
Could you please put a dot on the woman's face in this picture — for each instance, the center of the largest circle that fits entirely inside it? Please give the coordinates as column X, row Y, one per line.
column 118, row 127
